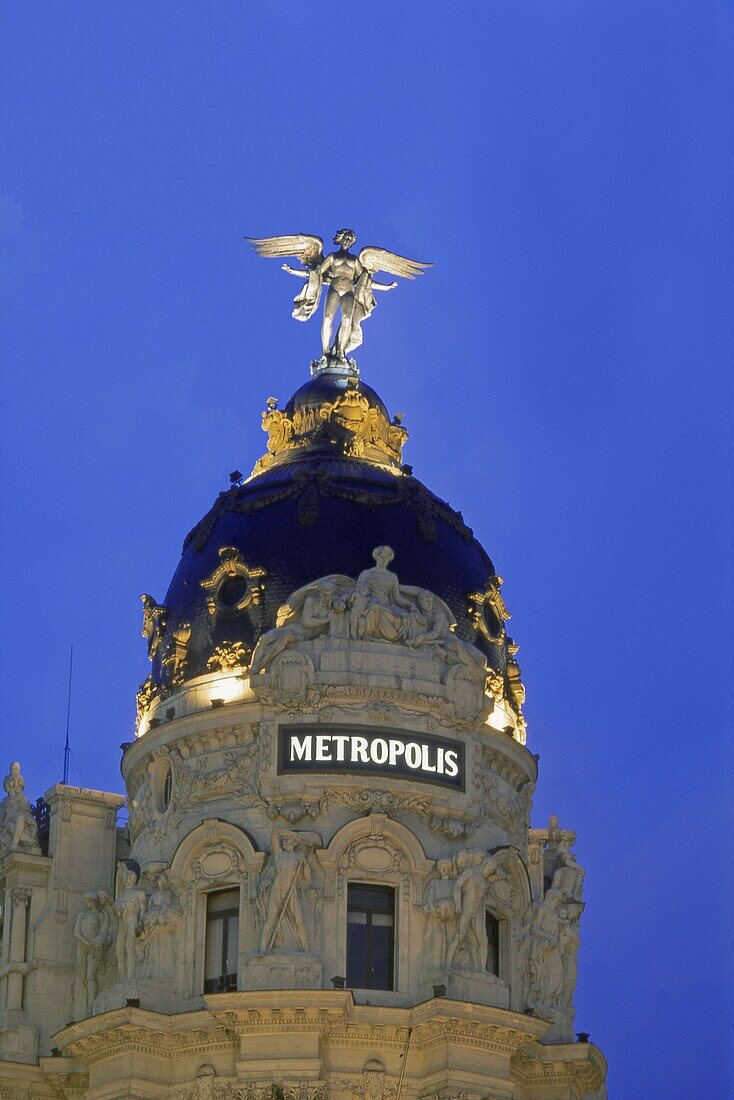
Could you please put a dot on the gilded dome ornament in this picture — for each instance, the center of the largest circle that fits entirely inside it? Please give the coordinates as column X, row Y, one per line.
column 488, row 612
column 233, row 586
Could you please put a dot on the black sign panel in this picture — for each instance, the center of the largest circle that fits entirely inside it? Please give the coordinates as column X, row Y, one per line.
column 357, row 750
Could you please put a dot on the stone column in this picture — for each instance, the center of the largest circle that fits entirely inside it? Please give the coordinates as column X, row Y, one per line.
column 20, row 897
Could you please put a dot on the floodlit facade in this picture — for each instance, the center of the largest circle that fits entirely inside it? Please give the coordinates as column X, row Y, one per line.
column 327, row 886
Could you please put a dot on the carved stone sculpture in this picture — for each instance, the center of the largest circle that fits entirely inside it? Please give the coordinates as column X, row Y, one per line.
column 568, row 878
column 468, row 947
column 18, row 829
column 281, row 890
column 93, row 934
column 569, row 943
column 159, row 926
column 374, row 608
column 350, row 281
column 299, row 621
column 439, row 906
column 129, row 909
column 544, row 970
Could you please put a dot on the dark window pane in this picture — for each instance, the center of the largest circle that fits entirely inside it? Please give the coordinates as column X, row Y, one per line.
column 220, row 949
column 492, row 926
column 370, row 936
column 232, row 591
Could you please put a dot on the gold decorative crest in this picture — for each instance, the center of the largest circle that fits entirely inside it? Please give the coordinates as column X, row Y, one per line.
column 233, row 585
column 488, row 612
column 350, row 423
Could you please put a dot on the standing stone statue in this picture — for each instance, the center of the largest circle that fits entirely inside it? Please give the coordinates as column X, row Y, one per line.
column 568, row 878
column 350, row 281
column 281, row 888
column 18, row 829
column 92, row 934
column 544, row 974
column 159, row 927
column 439, row 906
column 569, row 940
column 129, row 909
column 475, row 871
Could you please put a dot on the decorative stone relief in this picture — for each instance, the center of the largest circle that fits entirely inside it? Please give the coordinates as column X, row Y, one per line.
column 371, row 1084
column 219, row 860
column 18, row 829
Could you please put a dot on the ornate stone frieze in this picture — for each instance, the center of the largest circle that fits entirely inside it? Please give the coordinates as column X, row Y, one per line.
column 372, row 1083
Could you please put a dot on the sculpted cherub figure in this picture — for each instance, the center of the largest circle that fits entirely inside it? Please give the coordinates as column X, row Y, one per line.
column 350, row 281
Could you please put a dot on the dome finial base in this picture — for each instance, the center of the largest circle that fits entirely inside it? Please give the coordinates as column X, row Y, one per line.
column 332, row 364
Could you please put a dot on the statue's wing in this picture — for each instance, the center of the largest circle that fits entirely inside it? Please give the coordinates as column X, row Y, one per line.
column 380, row 259
column 309, row 250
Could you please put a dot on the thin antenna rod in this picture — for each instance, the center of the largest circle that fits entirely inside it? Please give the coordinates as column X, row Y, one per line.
column 67, row 749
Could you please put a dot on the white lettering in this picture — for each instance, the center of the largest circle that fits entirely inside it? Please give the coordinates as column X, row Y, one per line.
column 301, row 750
column 426, row 766
column 397, row 748
column 452, row 767
column 439, row 760
column 340, row 739
column 359, row 750
column 379, row 750
column 413, row 755
column 323, row 748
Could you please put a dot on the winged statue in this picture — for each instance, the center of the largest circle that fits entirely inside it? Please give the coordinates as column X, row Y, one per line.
column 349, row 279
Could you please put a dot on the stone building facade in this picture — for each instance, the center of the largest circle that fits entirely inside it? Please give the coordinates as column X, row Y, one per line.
column 327, row 886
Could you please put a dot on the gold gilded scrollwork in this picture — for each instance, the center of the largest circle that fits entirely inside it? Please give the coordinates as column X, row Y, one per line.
column 351, row 422
column 515, row 692
column 229, row 656
column 176, row 659
column 147, row 693
column 488, row 612
column 234, row 585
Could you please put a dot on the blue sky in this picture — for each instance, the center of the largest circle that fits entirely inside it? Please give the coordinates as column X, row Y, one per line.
column 565, row 371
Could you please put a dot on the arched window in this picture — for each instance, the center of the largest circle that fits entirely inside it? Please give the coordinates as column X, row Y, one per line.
column 492, row 926
column 370, row 936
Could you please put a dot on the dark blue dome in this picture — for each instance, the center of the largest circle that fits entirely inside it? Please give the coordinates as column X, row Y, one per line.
column 314, row 513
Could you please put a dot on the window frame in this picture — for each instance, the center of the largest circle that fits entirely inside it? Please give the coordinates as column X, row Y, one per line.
column 228, row 948
column 384, row 889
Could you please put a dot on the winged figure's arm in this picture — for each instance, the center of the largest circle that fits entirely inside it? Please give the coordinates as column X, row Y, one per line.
column 381, row 259
column 301, row 246
column 382, row 286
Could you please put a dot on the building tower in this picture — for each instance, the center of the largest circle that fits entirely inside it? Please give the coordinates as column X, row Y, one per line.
column 328, row 887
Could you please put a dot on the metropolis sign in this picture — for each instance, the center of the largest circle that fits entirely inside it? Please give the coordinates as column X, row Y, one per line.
column 358, row 750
